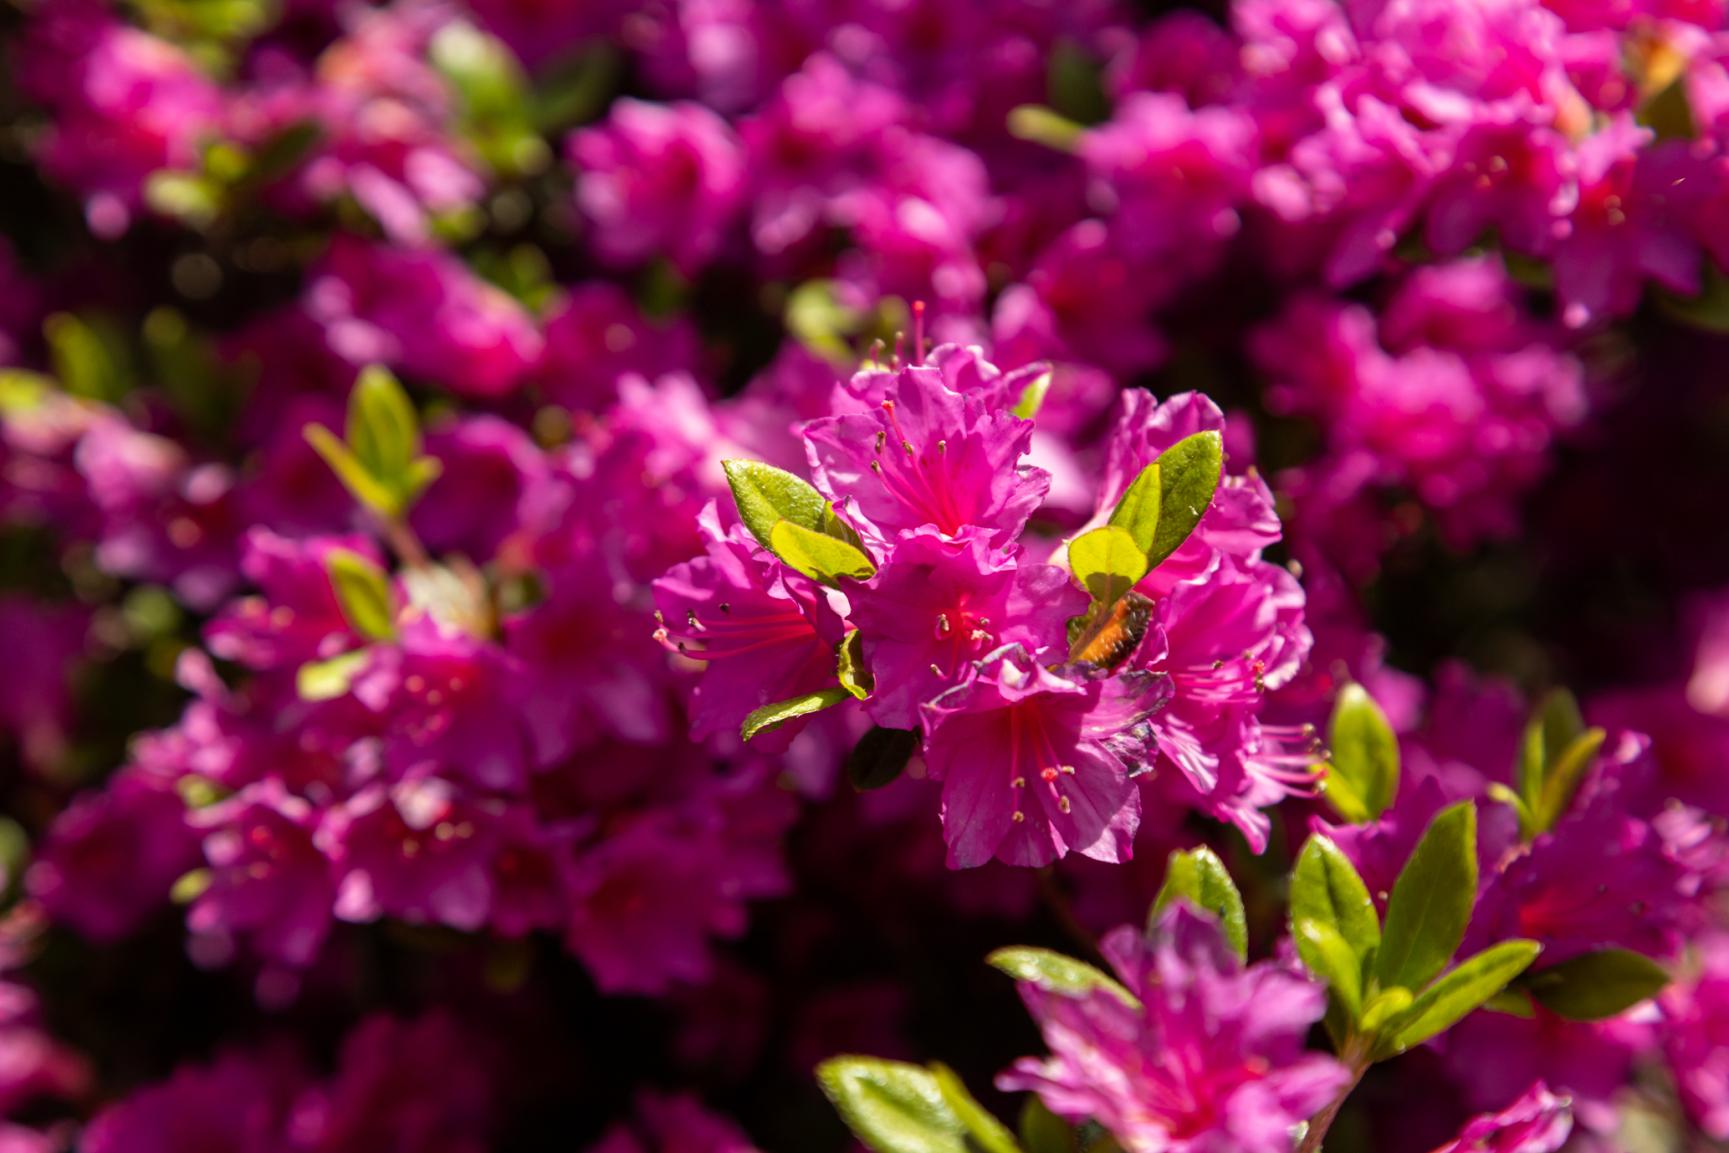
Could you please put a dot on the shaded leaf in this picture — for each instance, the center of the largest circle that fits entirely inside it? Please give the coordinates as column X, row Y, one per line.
column 854, row 677
column 1431, row 902
column 880, row 757
column 1596, row 986
column 1043, row 1131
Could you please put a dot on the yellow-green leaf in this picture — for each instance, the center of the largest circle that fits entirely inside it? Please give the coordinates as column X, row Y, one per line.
column 1107, row 562
column 818, row 556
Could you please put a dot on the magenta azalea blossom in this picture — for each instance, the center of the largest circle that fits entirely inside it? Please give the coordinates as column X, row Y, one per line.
column 1210, row 1061
column 938, row 605
column 1035, row 765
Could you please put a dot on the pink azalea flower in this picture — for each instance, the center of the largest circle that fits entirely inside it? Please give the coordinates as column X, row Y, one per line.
column 928, row 456
column 1035, row 765
column 937, row 605
column 1210, row 1061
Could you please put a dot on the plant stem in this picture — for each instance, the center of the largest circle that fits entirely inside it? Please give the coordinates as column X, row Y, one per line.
column 1323, row 1121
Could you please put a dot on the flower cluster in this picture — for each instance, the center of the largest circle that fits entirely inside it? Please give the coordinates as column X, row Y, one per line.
column 1037, row 691
column 569, row 564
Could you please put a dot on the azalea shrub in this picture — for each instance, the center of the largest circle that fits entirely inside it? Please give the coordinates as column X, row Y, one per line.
column 933, row 576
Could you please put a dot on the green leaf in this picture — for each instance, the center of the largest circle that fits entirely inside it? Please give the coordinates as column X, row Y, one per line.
column 363, row 590
column 354, row 477
column 1200, row 878
column 1108, row 562
column 328, row 679
column 88, row 356
column 1189, row 473
column 1056, row 972
column 1363, row 753
column 1326, row 889
column 880, row 757
column 1043, row 1131
column 818, row 556
column 766, row 495
column 383, row 430
column 1596, row 986
column 1138, row 511
column 190, row 886
column 1465, row 988
column 1037, row 124
column 988, row 1133
column 1329, row 958
column 855, row 678
column 1430, row 906
column 1512, row 1002
column 891, row 1106
column 1563, row 776
column 193, row 199
column 1033, row 396
column 1552, row 729
column 817, row 319
column 772, row 716
column 1384, row 1006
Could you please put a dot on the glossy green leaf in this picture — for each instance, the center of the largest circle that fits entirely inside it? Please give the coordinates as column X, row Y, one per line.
column 1596, row 986
column 1363, row 753
column 772, row 716
column 1189, row 474
column 850, row 668
column 328, row 679
column 1137, row 512
column 986, row 1132
column 1056, row 972
column 892, row 1107
column 880, row 757
column 1199, row 877
column 363, row 590
column 1326, row 889
column 1430, row 905
column 1042, row 1131
column 818, row 556
column 766, row 495
column 1329, row 958
column 1107, row 562
column 1462, row 990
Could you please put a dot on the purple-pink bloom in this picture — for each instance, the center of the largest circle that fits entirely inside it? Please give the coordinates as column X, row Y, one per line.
column 1210, row 1061
column 1538, row 1122
column 1035, row 765
column 765, row 632
column 928, row 456
column 425, row 313
column 110, row 858
column 658, row 180
column 1696, row 1037
column 938, row 604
